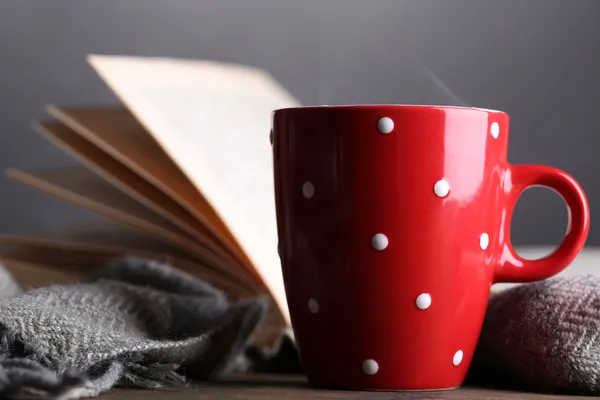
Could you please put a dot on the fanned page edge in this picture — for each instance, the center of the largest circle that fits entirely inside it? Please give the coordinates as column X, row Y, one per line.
column 105, row 67
column 73, row 251
column 150, row 224
column 68, row 116
column 88, row 158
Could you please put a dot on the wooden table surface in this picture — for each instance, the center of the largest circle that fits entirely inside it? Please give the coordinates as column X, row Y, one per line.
column 270, row 387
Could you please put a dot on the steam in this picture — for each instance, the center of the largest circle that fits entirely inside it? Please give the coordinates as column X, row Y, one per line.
column 437, row 81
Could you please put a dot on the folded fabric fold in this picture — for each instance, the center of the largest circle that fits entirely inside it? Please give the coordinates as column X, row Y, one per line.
column 542, row 336
column 134, row 322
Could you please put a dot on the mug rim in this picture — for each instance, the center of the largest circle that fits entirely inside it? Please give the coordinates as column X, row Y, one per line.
column 388, row 105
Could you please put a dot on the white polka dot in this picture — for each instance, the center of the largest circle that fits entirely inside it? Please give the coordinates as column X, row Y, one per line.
column 423, row 301
column 313, row 306
column 271, row 136
column 370, row 367
column 495, row 130
column 457, row 359
column 308, row 190
column 385, row 125
column 379, row 241
column 484, row 241
column 441, row 188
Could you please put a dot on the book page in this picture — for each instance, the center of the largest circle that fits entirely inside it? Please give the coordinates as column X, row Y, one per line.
column 35, row 274
column 130, row 183
column 119, row 134
column 79, row 186
column 213, row 120
column 103, row 236
column 77, row 260
column 105, row 240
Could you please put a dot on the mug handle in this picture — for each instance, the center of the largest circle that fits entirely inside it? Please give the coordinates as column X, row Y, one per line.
column 515, row 179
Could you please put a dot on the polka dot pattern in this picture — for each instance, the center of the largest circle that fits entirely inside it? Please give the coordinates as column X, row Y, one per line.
column 495, row 130
column 379, row 241
column 385, row 125
column 313, row 306
column 370, row 367
column 457, row 359
column 484, row 241
column 308, row 190
column 441, row 188
column 423, row 301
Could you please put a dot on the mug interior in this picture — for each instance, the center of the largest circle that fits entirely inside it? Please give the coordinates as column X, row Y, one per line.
column 371, row 106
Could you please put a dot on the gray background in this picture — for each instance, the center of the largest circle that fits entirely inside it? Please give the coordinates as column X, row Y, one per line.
column 536, row 59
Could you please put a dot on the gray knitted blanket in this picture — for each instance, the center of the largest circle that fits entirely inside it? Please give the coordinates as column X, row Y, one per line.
column 143, row 324
column 543, row 336
column 133, row 323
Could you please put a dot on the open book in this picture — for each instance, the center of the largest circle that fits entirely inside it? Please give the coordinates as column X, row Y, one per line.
column 181, row 173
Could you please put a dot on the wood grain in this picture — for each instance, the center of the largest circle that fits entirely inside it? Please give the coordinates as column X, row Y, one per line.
column 295, row 388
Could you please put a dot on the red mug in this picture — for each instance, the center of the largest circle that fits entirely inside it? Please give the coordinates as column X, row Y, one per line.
column 394, row 223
